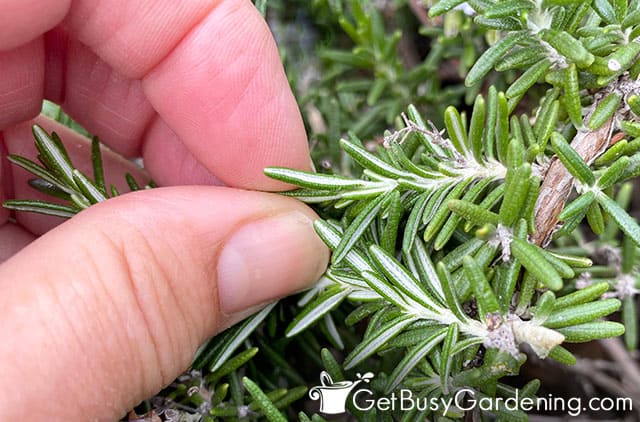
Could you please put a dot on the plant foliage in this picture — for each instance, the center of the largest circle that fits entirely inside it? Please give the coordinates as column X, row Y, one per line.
column 486, row 225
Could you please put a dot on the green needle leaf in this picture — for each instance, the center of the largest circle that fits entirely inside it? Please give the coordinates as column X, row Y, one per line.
column 440, row 215
column 544, row 307
column 331, row 237
column 604, row 111
column 92, row 192
column 490, row 57
column 449, row 292
column 595, row 218
column 568, row 46
column 49, row 189
column 630, row 320
column 581, row 314
column 357, row 228
column 313, row 180
column 269, row 410
column 581, row 296
column 40, row 172
column 425, row 270
column 619, row 148
column 476, row 128
column 385, row 289
column 579, row 205
column 226, row 343
column 562, row 355
column 376, row 340
column 502, row 127
column 508, row 8
column 572, row 95
column 96, row 161
column 625, row 222
column 401, row 278
column 131, row 181
column 394, row 214
column 449, row 343
column 583, row 333
column 41, row 207
column 532, row 259
column 371, row 162
column 528, row 79
column 572, row 160
column 443, row 6
column 485, row 297
column 605, row 10
column 414, row 221
column 455, row 129
column 515, row 194
column 293, row 395
column 412, row 358
column 561, row 267
column 571, row 260
column 546, row 122
column 232, row 364
column 614, row 173
column 634, row 102
column 54, row 155
column 323, row 304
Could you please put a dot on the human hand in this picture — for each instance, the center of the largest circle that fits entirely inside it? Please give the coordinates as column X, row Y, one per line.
column 102, row 311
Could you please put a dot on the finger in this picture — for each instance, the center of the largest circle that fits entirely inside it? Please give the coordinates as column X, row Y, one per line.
column 14, row 238
column 112, row 305
column 162, row 145
column 19, row 141
column 229, row 101
column 101, row 99
column 22, row 21
column 211, row 70
column 134, row 44
column 116, row 109
column 216, row 80
column 22, row 81
column 133, row 37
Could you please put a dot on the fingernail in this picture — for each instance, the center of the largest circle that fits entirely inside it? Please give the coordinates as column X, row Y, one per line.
column 267, row 259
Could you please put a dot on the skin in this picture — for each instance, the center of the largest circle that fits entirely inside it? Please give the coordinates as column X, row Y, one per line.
column 103, row 310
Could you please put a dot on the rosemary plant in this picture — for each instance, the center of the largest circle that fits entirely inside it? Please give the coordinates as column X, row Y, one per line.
column 488, row 225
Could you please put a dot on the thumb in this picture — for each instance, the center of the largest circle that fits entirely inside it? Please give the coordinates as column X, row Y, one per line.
column 109, row 307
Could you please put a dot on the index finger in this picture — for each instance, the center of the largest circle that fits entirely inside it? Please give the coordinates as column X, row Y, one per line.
column 211, row 71
column 232, row 94
column 23, row 20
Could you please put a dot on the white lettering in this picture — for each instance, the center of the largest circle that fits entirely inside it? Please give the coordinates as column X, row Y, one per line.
column 486, row 404
column 574, row 406
column 406, row 400
column 511, row 403
column 465, row 400
column 459, row 399
column 434, row 403
column 526, row 404
column 383, row 403
column 370, row 403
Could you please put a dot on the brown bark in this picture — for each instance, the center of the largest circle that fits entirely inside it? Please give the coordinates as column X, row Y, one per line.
column 557, row 181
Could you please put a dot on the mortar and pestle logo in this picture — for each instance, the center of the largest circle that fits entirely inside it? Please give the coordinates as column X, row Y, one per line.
column 333, row 396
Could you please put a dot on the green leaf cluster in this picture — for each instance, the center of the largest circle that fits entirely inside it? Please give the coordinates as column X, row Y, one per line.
column 56, row 176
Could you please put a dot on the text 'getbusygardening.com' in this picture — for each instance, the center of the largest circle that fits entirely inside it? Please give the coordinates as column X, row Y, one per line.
column 468, row 400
